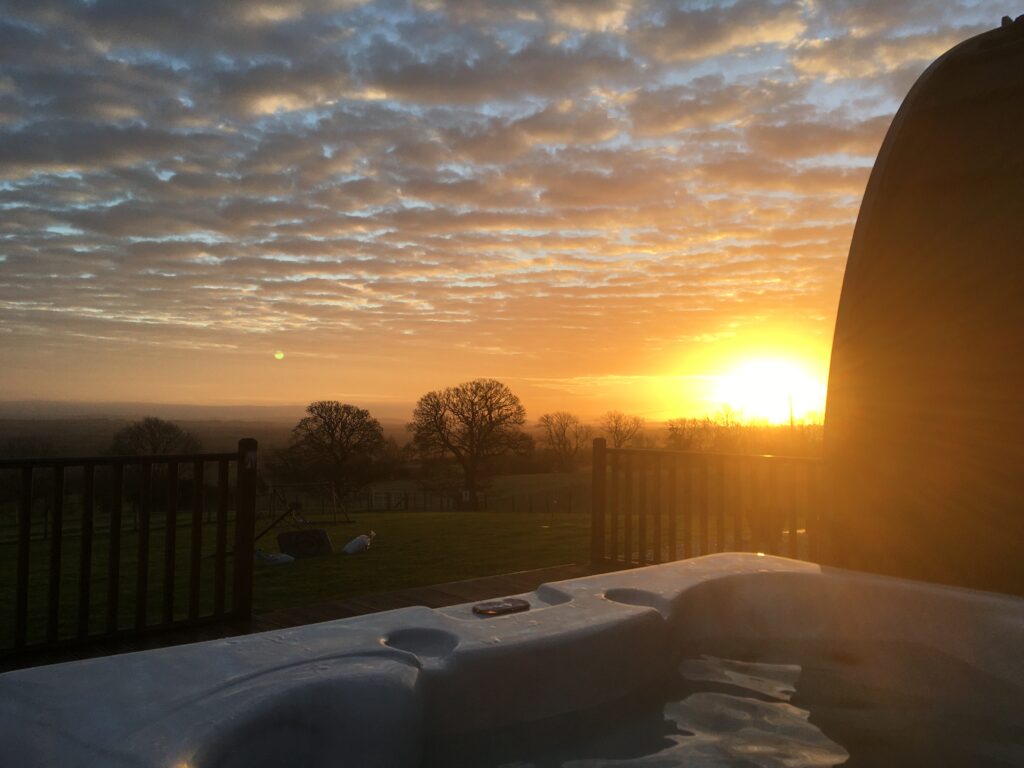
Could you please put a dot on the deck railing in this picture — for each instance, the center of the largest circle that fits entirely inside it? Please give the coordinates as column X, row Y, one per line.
column 653, row 506
column 105, row 547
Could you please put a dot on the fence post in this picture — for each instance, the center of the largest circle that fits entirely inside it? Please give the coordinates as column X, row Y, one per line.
column 24, row 542
column 597, row 503
column 245, row 524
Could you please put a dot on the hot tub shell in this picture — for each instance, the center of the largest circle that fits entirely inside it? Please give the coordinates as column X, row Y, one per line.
column 368, row 690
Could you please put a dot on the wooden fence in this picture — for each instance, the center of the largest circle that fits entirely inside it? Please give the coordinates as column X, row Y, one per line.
column 126, row 529
column 653, row 506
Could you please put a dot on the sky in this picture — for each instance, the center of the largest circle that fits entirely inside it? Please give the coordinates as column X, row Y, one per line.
column 633, row 204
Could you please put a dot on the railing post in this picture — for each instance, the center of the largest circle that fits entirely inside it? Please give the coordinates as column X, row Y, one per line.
column 703, row 489
column 720, row 522
column 114, row 550
column 53, row 617
column 245, row 524
column 643, row 459
column 673, row 508
column 628, row 462
column 142, row 524
column 597, row 503
column 815, row 513
column 657, row 507
column 791, row 513
column 85, row 551
column 688, row 505
column 613, row 506
column 195, row 555
column 24, row 543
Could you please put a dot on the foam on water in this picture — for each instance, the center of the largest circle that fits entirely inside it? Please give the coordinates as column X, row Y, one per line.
column 723, row 730
column 775, row 680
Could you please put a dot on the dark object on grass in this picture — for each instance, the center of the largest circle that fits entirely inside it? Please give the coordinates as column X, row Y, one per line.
column 308, row 542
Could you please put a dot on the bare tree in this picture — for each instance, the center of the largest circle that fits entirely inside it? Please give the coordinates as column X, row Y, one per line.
column 471, row 422
column 728, row 416
column 565, row 436
column 150, row 437
column 691, row 434
column 337, row 440
column 622, row 429
column 153, row 436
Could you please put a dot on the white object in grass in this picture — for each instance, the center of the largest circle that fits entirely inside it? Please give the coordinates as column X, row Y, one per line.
column 360, row 543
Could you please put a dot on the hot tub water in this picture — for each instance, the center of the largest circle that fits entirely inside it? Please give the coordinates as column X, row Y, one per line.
column 827, row 709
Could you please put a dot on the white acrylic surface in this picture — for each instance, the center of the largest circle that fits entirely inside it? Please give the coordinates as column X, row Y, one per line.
column 363, row 691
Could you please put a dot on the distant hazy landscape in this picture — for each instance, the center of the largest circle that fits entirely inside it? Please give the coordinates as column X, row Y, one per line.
column 86, row 428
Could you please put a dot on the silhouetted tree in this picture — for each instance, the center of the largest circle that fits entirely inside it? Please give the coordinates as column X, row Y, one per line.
column 691, row 434
column 726, row 434
column 438, row 475
column 564, row 436
column 153, row 436
column 622, row 429
column 336, row 441
column 728, row 416
column 471, row 422
column 393, row 461
column 149, row 437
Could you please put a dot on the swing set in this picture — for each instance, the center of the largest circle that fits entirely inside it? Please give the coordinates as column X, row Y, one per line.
column 283, row 502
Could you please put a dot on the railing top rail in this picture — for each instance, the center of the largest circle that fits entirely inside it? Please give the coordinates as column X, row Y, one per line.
column 81, row 461
column 663, row 452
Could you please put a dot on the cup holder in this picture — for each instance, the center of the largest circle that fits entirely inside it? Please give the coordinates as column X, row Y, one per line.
column 422, row 641
column 639, row 597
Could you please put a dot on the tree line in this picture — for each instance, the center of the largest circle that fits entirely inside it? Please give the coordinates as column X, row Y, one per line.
column 460, row 436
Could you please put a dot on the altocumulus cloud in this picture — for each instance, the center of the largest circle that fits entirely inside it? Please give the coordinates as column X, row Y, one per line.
column 497, row 178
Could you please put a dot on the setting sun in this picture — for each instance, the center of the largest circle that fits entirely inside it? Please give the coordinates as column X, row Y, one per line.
column 399, row 211
column 772, row 390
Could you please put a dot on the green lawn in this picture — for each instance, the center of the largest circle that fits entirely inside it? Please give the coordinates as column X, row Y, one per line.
column 533, row 521
column 419, row 548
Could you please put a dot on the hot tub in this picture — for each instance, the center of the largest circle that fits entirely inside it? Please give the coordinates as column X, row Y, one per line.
column 719, row 660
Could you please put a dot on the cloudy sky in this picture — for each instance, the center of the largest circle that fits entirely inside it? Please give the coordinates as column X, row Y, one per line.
column 604, row 203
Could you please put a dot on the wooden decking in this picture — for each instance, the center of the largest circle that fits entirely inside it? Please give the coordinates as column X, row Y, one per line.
column 433, row 596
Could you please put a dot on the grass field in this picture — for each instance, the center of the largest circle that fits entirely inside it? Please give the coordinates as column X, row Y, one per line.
column 550, row 525
column 420, row 548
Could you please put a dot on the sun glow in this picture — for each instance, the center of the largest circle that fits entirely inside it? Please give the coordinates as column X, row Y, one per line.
column 772, row 390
